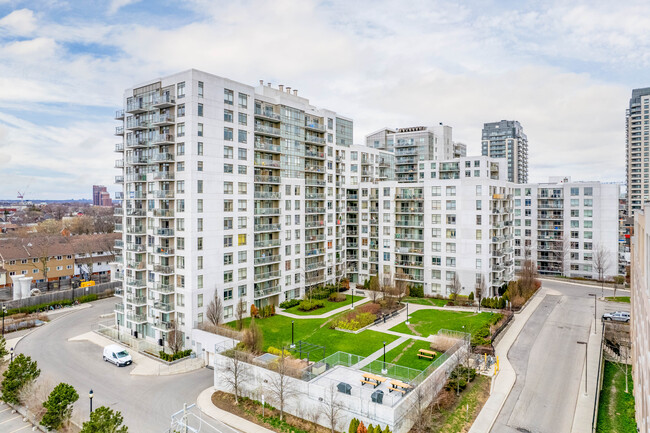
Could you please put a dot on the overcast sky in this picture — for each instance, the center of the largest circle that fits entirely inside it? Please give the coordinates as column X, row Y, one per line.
column 564, row 69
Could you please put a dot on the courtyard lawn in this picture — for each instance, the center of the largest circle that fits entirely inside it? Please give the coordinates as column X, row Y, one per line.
column 409, row 354
column 616, row 407
column 277, row 332
column 618, row 299
column 329, row 306
column 435, row 302
column 429, row 322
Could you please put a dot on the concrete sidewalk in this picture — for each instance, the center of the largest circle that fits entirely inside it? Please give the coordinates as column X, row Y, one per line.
column 505, row 379
column 346, row 307
column 204, row 403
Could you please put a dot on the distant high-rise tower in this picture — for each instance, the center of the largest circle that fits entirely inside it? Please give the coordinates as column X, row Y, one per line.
column 506, row 139
column 97, row 195
column 636, row 143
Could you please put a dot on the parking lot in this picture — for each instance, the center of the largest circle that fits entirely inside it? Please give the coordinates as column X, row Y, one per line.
column 12, row 421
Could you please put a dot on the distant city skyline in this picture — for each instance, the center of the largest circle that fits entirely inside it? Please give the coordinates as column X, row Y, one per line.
column 565, row 71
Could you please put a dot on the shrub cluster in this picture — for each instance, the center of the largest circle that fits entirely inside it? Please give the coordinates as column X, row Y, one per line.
column 290, row 303
column 497, row 302
column 174, row 356
column 46, row 306
column 275, row 351
column 357, row 426
column 416, row 291
column 458, row 378
column 336, row 297
column 307, row 305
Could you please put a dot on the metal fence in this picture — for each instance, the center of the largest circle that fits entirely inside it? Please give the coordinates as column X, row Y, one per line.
column 62, row 295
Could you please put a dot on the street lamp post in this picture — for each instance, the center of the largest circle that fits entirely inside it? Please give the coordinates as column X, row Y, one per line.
column 595, row 297
column 12, row 354
column 292, row 343
column 585, row 343
column 4, row 313
column 383, row 370
column 90, row 396
column 407, row 313
column 352, row 290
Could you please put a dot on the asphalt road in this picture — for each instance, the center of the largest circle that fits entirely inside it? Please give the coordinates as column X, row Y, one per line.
column 548, row 361
column 146, row 402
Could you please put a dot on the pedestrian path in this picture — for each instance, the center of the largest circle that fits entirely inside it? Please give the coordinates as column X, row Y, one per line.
column 324, row 315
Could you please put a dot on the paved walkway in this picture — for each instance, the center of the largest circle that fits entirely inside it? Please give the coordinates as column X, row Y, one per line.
column 505, row 379
column 324, row 315
column 583, row 417
column 204, row 402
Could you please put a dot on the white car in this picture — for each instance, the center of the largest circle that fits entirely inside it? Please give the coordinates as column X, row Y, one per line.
column 617, row 316
column 117, row 355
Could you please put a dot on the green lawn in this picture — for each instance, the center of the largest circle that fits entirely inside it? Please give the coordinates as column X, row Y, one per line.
column 429, row 322
column 618, row 299
column 410, row 356
column 329, row 306
column 277, row 332
column 427, row 301
column 616, row 407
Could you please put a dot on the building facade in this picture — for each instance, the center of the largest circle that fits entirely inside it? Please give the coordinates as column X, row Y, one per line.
column 637, row 149
column 101, row 197
column 562, row 226
column 506, row 139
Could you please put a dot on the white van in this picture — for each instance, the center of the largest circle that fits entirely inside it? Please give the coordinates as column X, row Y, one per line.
column 117, row 355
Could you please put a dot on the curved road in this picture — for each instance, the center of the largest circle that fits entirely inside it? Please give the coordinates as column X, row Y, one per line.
column 146, row 402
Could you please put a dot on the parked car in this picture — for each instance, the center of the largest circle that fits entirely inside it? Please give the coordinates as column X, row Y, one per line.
column 117, row 355
column 617, row 316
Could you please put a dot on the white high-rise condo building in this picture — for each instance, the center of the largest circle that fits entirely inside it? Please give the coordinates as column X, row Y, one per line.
column 567, row 228
column 253, row 194
column 506, row 139
column 637, row 150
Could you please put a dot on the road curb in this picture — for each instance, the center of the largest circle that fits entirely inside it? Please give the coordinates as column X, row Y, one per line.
column 59, row 316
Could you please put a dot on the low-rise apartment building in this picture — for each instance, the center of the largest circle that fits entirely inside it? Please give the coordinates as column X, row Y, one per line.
column 562, row 226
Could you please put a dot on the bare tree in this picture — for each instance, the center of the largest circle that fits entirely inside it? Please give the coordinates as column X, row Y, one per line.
column 561, row 254
column 454, row 287
column 526, row 282
column 240, row 313
column 420, row 413
column 373, row 286
column 619, row 280
column 235, row 373
column 49, row 227
column 401, row 289
column 174, row 337
column 214, row 312
column 601, row 261
column 281, row 384
column 479, row 291
column 331, row 407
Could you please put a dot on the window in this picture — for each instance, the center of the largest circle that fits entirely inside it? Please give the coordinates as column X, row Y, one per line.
column 227, row 259
column 199, row 186
column 575, row 191
column 589, row 202
column 199, row 243
column 227, row 293
column 227, row 116
column 227, row 312
column 435, row 191
column 228, row 152
column 180, row 90
column 180, row 130
column 243, row 118
column 227, row 188
column 180, row 110
column 241, row 274
column 242, row 205
column 228, row 97
column 242, row 257
column 199, row 110
column 242, row 154
column 199, row 300
column 227, row 168
column 478, row 205
column 451, row 234
column 227, row 223
column 241, row 239
column 589, row 191
column 451, row 190
column 199, row 148
column 227, row 206
column 242, row 290
column 227, row 134
column 243, row 100
column 199, row 130
column 180, row 186
column 451, row 204
column 227, row 241
column 242, row 136
column 200, row 91
column 451, row 262
column 242, row 222
column 242, row 188
column 242, row 169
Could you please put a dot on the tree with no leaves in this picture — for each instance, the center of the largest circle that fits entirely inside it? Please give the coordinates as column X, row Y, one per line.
column 281, row 384
column 240, row 313
column 331, row 407
column 214, row 313
column 601, row 261
column 619, row 280
column 526, row 282
column 420, row 413
column 174, row 337
column 561, row 253
column 235, row 373
column 373, row 286
column 454, row 287
column 480, row 291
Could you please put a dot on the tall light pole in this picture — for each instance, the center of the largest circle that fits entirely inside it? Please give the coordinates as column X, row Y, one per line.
column 12, row 354
column 585, row 343
column 595, row 297
column 352, row 290
column 383, row 371
column 90, row 396
column 292, row 343
column 4, row 313
column 407, row 313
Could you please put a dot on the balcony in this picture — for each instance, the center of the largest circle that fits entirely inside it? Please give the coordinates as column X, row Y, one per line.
column 136, row 300
column 135, row 106
column 137, row 195
column 163, row 288
column 166, row 307
column 315, row 252
column 267, row 227
column 165, row 232
column 267, row 130
column 136, row 318
column 317, row 265
column 265, row 162
column 315, row 126
column 162, row 325
column 119, row 147
column 315, row 169
column 119, row 163
column 137, row 265
column 119, row 243
column 135, row 212
column 119, row 115
column 163, row 213
column 267, row 211
column 259, row 293
column 135, row 123
column 119, row 130
column 136, row 177
column 311, row 210
column 119, row 292
column 409, row 223
column 314, row 139
column 163, row 100
column 267, row 114
column 162, row 157
column 166, row 119
column 136, row 248
column 137, row 159
column 315, row 182
column 164, row 251
column 133, row 282
column 315, row 238
column 163, row 269
column 135, row 230
column 164, row 193
column 119, row 307
column 267, row 259
column 267, row 179
column 163, row 175
column 268, row 147
column 315, row 196
column 267, row 275
column 267, row 243
column 163, row 139
column 119, row 179
column 314, row 154
column 314, row 224
column 136, row 141
column 267, row 195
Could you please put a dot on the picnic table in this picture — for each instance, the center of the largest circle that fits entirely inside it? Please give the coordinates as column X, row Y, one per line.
column 429, row 354
column 372, row 379
column 399, row 386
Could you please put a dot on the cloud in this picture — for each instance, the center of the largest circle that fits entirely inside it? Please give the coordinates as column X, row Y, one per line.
column 116, row 5
column 18, row 23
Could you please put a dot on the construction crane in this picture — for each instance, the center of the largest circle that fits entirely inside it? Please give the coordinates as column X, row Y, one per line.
column 21, row 195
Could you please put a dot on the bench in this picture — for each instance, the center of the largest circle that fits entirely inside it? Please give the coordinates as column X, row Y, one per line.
column 393, row 388
column 374, row 384
column 422, row 355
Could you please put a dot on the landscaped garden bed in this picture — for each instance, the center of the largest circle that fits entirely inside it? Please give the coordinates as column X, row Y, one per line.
column 324, row 307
